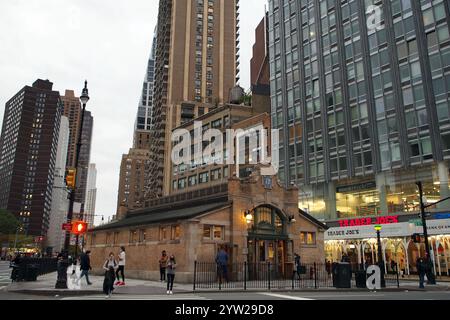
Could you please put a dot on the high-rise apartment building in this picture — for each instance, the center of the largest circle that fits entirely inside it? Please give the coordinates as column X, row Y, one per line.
column 360, row 92
column 28, row 148
column 197, row 61
column 72, row 110
column 132, row 181
column 91, row 195
column 60, row 194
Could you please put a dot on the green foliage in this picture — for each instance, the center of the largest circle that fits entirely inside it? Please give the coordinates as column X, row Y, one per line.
column 8, row 223
column 247, row 98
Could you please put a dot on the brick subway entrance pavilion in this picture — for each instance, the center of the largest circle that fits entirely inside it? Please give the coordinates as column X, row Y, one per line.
column 194, row 225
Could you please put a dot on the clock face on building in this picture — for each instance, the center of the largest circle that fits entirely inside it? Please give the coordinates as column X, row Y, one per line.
column 267, row 182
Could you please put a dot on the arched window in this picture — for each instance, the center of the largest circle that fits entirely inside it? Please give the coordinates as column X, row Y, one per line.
column 268, row 220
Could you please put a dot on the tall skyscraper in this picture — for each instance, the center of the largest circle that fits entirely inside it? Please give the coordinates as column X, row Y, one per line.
column 84, row 160
column 91, row 195
column 28, row 148
column 360, row 91
column 72, row 110
column 197, row 62
column 144, row 116
column 60, row 200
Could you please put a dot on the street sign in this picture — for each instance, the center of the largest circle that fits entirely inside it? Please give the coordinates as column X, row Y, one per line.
column 67, row 226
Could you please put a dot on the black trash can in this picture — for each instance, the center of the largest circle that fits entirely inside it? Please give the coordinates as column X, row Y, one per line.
column 361, row 279
column 343, row 275
column 31, row 272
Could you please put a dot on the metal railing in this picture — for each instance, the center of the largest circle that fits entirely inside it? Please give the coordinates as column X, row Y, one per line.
column 269, row 276
column 27, row 269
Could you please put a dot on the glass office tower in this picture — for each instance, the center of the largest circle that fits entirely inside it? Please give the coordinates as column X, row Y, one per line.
column 360, row 93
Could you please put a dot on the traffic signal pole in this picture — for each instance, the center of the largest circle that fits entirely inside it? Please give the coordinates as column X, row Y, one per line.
column 424, row 220
column 62, row 279
column 77, row 158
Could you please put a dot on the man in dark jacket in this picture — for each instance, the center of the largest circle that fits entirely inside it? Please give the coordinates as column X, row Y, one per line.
column 421, row 270
column 85, row 265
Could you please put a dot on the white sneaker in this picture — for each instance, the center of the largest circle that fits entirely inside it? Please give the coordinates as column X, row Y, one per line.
column 171, row 292
column 168, row 292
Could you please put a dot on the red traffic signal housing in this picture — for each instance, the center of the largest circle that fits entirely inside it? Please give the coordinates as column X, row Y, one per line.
column 79, row 227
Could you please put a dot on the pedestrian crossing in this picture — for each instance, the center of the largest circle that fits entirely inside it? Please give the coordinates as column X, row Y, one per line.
column 140, row 297
column 5, row 275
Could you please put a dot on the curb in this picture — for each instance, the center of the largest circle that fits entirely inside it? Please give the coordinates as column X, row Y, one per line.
column 67, row 293
column 55, row 292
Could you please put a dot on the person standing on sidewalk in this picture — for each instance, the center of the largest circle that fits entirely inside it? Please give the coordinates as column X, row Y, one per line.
column 171, row 266
column 110, row 266
column 85, row 266
column 163, row 266
column 121, row 268
column 421, row 270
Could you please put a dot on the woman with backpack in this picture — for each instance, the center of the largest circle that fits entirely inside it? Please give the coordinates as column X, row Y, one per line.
column 110, row 266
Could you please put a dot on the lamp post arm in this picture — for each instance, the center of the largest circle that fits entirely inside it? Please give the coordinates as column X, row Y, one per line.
column 433, row 204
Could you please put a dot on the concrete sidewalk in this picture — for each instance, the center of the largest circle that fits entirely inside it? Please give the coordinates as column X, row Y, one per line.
column 45, row 285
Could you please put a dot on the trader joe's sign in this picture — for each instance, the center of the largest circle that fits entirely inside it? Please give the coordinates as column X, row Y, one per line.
column 368, row 221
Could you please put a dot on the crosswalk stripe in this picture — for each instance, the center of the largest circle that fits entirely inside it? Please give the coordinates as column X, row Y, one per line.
column 137, row 297
column 282, row 296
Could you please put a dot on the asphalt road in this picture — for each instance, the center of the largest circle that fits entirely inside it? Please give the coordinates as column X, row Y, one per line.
column 254, row 296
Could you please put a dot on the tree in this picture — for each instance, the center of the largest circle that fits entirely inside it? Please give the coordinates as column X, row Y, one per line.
column 247, row 98
column 8, row 222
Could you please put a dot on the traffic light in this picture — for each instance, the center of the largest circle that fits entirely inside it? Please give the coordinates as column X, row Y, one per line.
column 79, row 227
column 416, row 238
column 71, row 178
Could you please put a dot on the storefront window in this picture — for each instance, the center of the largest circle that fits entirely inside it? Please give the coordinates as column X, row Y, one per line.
column 358, row 201
column 402, row 194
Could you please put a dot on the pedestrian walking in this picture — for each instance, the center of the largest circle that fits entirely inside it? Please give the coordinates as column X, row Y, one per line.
column 171, row 266
column 110, row 266
column 163, row 266
column 85, row 265
column 328, row 267
column 297, row 266
column 421, row 269
column 121, row 268
column 222, row 263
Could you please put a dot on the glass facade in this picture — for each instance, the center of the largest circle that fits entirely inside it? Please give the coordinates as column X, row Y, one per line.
column 360, row 93
column 144, row 115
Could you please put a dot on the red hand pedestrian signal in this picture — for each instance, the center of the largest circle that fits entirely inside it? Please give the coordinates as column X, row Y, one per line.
column 79, row 227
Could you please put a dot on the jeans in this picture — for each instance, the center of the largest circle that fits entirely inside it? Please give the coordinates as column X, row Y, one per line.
column 421, row 280
column 121, row 270
column 85, row 273
column 162, row 272
column 170, row 279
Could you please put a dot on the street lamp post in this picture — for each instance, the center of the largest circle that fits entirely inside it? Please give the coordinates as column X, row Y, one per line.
column 380, row 256
column 423, row 216
column 15, row 240
column 62, row 282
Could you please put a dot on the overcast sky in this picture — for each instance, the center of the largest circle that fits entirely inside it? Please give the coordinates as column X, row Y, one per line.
column 106, row 42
